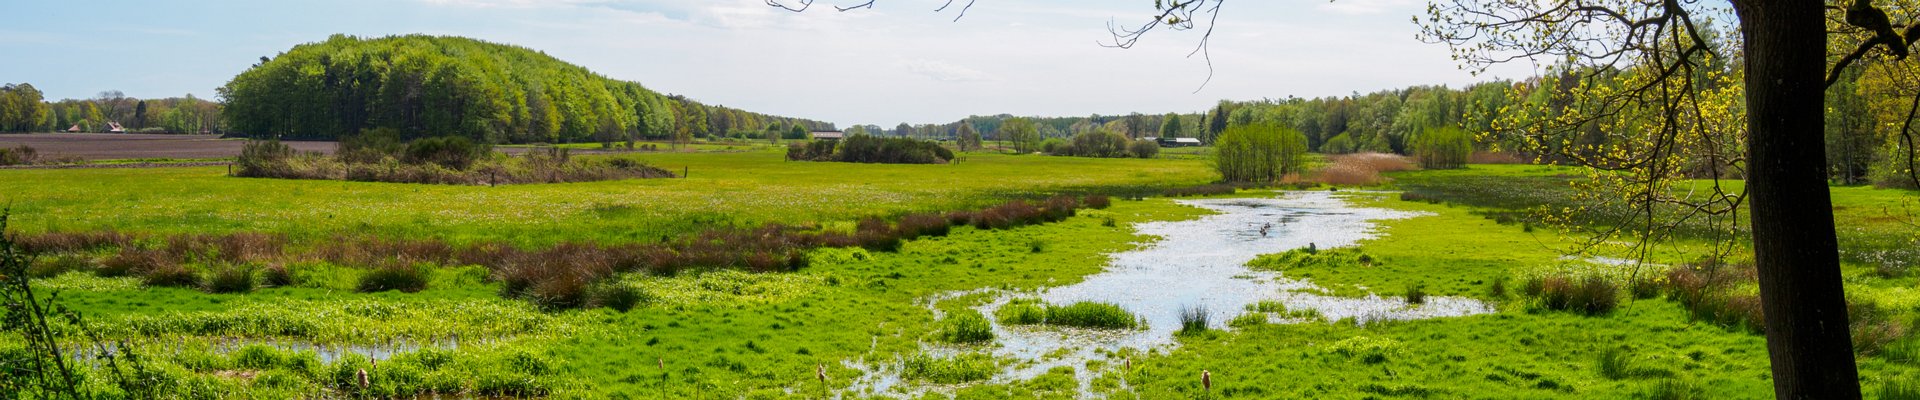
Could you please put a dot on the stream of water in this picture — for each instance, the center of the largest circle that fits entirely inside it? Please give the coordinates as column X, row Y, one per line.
column 1193, row 264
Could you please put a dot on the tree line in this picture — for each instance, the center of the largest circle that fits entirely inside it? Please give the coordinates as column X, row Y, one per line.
column 23, row 109
column 426, row 86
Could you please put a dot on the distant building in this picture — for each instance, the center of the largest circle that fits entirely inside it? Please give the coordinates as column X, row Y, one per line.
column 1179, row 142
column 829, row 135
column 114, row 127
column 75, row 129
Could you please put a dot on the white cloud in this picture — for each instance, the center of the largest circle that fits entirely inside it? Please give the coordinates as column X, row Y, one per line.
column 943, row 71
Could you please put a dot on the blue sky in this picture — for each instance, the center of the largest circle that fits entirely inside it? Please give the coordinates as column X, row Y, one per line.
column 898, row 62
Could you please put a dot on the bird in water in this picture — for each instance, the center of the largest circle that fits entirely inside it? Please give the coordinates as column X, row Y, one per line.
column 1265, row 228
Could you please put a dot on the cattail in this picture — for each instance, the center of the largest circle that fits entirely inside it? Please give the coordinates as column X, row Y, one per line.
column 1129, row 364
column 820, row 371
column 663, row 364
column 1206, row 380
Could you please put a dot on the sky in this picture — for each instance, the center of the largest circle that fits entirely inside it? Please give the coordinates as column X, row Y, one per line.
column 899, row 61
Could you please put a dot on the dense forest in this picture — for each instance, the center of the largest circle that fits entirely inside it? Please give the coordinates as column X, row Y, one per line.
column 437, row 86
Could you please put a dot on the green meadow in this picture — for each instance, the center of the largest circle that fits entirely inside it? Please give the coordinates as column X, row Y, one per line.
column 815, row 332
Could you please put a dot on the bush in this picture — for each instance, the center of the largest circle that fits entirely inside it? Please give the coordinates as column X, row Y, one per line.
column 1590, row 296
column 22, row 155
column 231, row 279
column 619, row 297
column 370, row 146
column 1144, row 148
column 451, row 152
column 263, row 159
column 966, row 327
column 172, row 275
column 51, row 267
column 1098, row 143
column 1097, row 202
column 276, row 276
column 869, row 149
column 1088, row 314
column 398, row 276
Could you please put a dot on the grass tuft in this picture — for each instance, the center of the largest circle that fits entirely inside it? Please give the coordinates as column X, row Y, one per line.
column 398, row 276
column 965, row 327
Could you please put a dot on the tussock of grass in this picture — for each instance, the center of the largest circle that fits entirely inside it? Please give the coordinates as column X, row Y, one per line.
column 1194, row 319
column 1022, row 312
column 962, row 368
column 965, row 327
column 1088, row 314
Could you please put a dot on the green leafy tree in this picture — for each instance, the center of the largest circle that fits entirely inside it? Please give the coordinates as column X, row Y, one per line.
column 969, row 138
column 1259, row 153
column 1021, row 134
column 1443, row 148
column 1171, row 127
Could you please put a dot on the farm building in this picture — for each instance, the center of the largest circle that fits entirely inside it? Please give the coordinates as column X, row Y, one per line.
column 829, row 135
column 1179, row 142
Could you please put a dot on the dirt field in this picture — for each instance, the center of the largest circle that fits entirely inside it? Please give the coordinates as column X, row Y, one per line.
column 117, row 146
column 131, row 146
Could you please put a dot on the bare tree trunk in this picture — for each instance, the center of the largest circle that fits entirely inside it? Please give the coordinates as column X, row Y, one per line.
column 1793, row 234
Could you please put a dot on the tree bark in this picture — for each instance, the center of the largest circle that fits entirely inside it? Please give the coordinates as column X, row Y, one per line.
column 1794, row 241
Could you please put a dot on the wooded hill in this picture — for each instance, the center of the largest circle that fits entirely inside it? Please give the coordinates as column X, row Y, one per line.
column 439, row 86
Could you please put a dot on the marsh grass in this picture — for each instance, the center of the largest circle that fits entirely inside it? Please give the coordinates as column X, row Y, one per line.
column 962, row 368
column 231, row 279
column 1417, row 293
column 397, row 276
column 1194, row 319
column 965, row 327
column 1022, row 312
column 1088, row 314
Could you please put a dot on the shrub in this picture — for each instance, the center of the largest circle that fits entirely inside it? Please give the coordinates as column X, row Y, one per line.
column 22, row 155
column 1097, row 143
column 1590, row 296
column 264, row 159
column 231, row 279
column 1144, row 148
column 1088, row 314
column 370, row 146
column 134, row 261
column 51, row 267
column 1194, row 319
column 397, row 276
column 916, row 225
column 869, row 149
column 173, row 275
column 451, row 152
column 618, row 296
column 276, row 275
column 966, row 327
column 1097, row 202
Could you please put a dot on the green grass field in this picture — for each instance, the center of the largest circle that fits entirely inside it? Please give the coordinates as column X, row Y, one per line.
column 744, row 188
column 726, row 334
